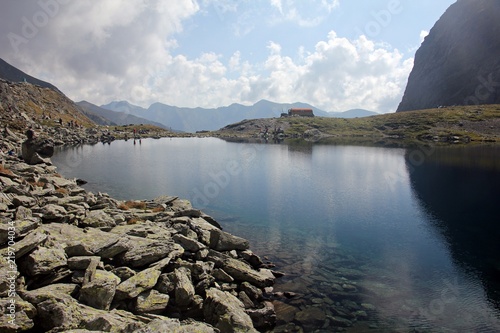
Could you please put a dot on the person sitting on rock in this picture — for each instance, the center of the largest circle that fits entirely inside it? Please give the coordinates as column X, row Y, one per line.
column 30, row 134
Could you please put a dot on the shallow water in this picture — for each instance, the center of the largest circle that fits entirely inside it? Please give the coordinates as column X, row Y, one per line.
column 391, row 240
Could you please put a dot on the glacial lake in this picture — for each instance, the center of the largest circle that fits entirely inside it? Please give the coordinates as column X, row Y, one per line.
column 404, row 240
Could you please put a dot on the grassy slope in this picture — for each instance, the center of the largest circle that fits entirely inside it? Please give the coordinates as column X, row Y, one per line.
column 461, row 123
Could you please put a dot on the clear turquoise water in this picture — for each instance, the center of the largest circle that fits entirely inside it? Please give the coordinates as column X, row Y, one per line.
column 413, row 233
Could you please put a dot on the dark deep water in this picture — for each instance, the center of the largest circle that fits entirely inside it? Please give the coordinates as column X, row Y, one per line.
column 388, row 240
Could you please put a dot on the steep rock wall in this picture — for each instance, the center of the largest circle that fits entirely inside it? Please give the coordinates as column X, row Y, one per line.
column 459, row 61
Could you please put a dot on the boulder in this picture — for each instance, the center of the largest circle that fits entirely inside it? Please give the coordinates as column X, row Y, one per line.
column 253, row 259
column 151, row 302
column 174, row 326
column 122, row 245
column 43, row 261
column 254, row 293
column 264, row 317
column 60, row 182
column 23, row 213
column 124, row 273
column 226, row 312
column 53, row 213
column 79, row 242
column 223, row 241
column 60, row 313
column 17, row 315
column 98, row 219
column 222, row 276
column 56, row 308
column 8, row 275
column 99, row 292
column 165, row 283
column 188, row 244
column 35, row 150
column 28, row 243
column 145, row 251
column 184, row 289
column 58, row 291
column 23, row 200
column 80, row 263
column 139, row 283
column 242, row 272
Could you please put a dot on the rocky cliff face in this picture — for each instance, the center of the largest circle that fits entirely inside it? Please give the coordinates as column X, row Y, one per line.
column 458, row 63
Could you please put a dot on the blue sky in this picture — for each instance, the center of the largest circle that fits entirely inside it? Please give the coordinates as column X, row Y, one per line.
column 334, row 54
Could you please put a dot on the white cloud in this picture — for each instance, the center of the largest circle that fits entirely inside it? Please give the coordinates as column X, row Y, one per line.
column 303, row 14
column 330, row 5
column 277, row 4
column 423, row 34
column 91, row 53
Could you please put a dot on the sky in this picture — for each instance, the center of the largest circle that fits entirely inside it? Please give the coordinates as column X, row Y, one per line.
column 333, row 54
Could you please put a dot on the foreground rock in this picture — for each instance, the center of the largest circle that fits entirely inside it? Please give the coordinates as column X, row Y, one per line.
column 71, row 260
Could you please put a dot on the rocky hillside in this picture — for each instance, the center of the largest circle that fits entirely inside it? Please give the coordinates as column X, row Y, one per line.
column 458, row 63
column 461, row 124
column 55, row 117
column 24, row 104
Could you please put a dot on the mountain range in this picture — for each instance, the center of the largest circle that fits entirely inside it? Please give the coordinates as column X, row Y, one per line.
column 176, row 118
column 200, row 119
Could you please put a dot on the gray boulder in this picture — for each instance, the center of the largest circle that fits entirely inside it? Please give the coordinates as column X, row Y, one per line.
column 264, row 317
column 99, row 292
column 98, row 219
column 23, row 200
column 188, row 244
column 53, row 213
column 151, row 302
column 145, row 251
column 22, row 311
column 243, row 272
column 139, row 283
column 184, row 289
column 35, row 150
column 27, row 244
column 226, row 312
column 43, row 261
column 174, row 326
column 223, row 241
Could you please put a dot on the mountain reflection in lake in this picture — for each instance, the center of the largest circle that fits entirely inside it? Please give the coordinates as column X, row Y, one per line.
column 371, row 239
column 460, row 189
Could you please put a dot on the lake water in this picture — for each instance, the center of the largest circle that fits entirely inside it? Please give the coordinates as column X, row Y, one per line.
column 393, row 240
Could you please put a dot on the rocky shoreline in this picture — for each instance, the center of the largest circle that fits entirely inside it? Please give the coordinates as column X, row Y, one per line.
column 76, row 261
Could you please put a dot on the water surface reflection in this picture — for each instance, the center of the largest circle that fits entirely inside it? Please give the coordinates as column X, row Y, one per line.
column 369, row 239
column 460, row 190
